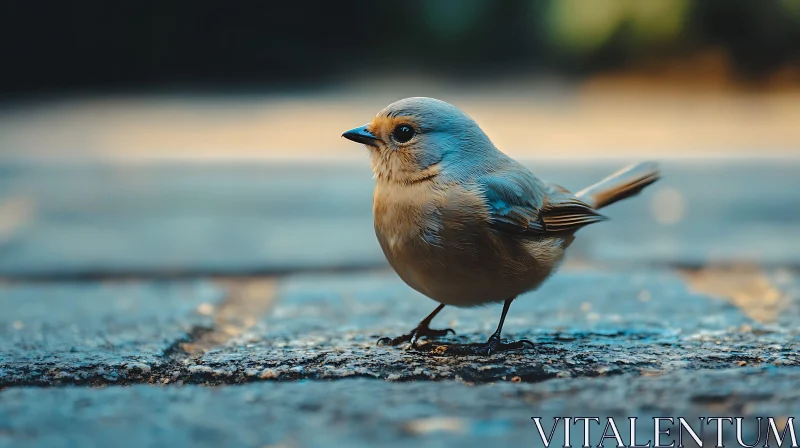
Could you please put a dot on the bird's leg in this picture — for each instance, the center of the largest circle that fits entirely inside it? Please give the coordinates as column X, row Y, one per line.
column 493, row 345
column 422, row 330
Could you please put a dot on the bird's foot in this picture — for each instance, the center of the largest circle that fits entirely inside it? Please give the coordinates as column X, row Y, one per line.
column 493, row 345
column 415, row 335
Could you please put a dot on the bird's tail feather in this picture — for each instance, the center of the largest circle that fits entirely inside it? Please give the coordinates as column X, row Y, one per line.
column 623, row 184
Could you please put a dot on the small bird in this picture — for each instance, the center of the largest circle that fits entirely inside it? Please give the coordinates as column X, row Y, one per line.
column 465, row 224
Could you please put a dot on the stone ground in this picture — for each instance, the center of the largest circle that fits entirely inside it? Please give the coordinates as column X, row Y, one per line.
column 239, row 304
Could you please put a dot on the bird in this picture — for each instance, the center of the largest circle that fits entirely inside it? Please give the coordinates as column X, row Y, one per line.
column 465, row 224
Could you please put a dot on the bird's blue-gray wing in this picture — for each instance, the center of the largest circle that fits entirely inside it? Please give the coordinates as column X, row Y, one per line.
column 514, row 201
column 520, row 203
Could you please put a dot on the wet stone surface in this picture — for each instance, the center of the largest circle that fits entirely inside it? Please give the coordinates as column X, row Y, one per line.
column 582, row 322
column 97, row 333
column 362, row 412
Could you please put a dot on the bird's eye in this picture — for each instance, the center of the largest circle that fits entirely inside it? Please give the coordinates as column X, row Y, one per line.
column 403, row 133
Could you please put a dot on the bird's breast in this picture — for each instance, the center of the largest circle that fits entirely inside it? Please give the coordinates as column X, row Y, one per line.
column 403, row 213
column 438, row 240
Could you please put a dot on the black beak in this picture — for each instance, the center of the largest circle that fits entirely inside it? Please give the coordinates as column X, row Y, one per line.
column 361, row 135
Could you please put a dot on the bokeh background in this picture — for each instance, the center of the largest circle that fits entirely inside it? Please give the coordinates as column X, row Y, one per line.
column 267, row 80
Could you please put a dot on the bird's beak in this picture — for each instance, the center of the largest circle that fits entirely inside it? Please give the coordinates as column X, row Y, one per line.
column 361, row 135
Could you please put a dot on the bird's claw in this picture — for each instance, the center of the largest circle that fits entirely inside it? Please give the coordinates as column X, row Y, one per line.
column 392, row 341
column 513, row 345
column 414, row 336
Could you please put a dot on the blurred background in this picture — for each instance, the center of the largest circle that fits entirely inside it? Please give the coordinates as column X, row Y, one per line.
column 282, row 80
column 204, row 137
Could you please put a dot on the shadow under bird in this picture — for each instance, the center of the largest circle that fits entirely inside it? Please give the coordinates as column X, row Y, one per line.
column 465, row 224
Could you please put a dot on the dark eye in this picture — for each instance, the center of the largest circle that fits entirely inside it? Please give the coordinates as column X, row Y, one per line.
column 403, row 133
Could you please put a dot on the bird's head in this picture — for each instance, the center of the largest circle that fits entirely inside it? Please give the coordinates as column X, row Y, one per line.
column 418, row 138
